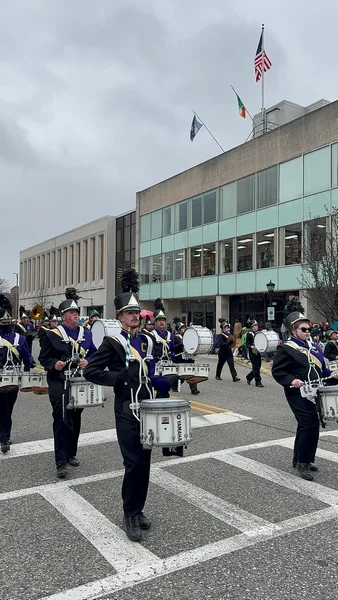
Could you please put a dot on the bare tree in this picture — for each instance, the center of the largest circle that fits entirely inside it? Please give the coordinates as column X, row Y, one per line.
column 320, row 265
column 41, row 297
column 4, row 286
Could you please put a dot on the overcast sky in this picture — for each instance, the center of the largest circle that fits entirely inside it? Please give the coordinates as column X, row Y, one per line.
column 96, row 97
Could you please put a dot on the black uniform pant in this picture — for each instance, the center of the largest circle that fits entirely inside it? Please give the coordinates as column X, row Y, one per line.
column 256, row 362
column 307, row 434
column 7, row 401
column 66, row 424
column 136, row 460
column 29, row 341
column 222, row 359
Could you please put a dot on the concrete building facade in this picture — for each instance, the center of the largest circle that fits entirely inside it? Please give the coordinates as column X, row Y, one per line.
column 209, row 239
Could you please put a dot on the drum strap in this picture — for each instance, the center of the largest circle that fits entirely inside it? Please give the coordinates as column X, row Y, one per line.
column 122, row 340
column 304, row 351
column 11, row 346
column 61, row 333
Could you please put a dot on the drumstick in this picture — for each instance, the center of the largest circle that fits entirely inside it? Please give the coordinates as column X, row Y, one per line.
column 317, row 380
column 128, row 349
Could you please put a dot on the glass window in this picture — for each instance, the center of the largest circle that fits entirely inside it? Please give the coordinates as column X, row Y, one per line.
column 196, row 211
column 265, row 254
column 315, row 239
column 228, row 200
column 119, row 223
column 132, row 258
column 196, row 261
column 291, row 179
column 180, row 257
column 210, row 207
column 126, row 241
column 246, row 194
column 317, row 168
column 334, row 165
column 133, row 217
column 181, row 211
column 167, row 220
column 126, row 220
column 145, row 228
column 244, row 254
column 126, row 258
column 226, row 256
column 133, row 235
column 156, row 224
column 267, row 187
column 168, row 268
column 209, row 259
column 292, row 244
column 157, row 268
column 144, row 270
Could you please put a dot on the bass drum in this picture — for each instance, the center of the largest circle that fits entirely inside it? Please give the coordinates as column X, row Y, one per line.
column 197, row 340
column 103, row 327
column 266, row 341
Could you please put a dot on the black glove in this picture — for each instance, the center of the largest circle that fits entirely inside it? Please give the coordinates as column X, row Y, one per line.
column 33, row 364
column 123, row 378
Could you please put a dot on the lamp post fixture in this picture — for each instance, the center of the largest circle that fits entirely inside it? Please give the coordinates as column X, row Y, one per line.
column 17, row 296
column 271, row 288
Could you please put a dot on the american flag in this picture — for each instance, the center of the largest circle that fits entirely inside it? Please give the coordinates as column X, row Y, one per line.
column 259, row 60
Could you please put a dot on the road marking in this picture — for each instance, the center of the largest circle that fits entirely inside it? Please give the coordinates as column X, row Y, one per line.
column 213, row 505
column 108, row 539
column 203, row 410
column 183, row 560
column 292, row 482
column 219, row 408
column 109, row 435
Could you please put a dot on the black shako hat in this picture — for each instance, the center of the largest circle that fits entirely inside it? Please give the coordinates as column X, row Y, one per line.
column 159, row 312
column 68, row 305
column 130, row 285
column 293, row 318
column 5, row 317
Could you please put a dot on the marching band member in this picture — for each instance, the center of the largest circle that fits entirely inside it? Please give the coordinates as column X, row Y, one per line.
column 58, row 346
column 29, row 329
column 148, row 325
column 179, row 350
column 163, row 339
column 296, row 361
column 94, row 315
column 331, row 348
column 123, row 375
column 13, row 348
column 254, row 355
column 225, row 353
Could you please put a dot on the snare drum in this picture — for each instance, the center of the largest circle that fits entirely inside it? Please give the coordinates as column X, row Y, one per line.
column 186, row 370
column 9, row 379
column 84, row 394
column 165, row 368
column 197, row 340
column 201, row 374
column 333, row 365
column 42, row 388
column 165, row 423
column 29, row 380
column 329, row 400
column 103, row 327
column 266, row 341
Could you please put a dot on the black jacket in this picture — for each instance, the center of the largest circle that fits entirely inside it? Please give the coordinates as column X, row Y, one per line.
column 224, row 344
column 331, row 351
column 290, row 364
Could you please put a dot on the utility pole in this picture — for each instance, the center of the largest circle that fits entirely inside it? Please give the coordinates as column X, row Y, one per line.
column 17, row 296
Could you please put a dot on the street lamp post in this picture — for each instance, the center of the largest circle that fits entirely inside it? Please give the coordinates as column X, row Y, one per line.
column 17, row 296
column 271, row 310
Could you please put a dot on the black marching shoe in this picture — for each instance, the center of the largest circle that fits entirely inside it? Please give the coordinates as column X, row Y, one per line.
column 259, row 385
column 74, row 462
column 218, row 378
column 313, row 466
column 248, row 381
column 61, row 471
column 196, row 392
column 132, row 528
column 143, row 521
column 304, row 470
column 236, row 379
column 5, row 446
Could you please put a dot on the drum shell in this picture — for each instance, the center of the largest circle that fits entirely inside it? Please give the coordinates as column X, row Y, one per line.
column 201, row 374
column 84, row 394
column 102, row 327
column 329, row 401
column 9, row 379
column 333, row 365
column 266, row 341
column 30, row 379
column 197, row 340
column 165, row 423
column 164, row 369
column 186, row 370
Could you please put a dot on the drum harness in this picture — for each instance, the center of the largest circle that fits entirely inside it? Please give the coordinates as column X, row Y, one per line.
column 11, row 348
column 72, row 361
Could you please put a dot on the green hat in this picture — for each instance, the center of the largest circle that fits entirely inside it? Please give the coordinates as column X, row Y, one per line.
column 94, row 313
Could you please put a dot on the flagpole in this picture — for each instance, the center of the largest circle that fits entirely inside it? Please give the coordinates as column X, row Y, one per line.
column 208, row 130
column 263, row 109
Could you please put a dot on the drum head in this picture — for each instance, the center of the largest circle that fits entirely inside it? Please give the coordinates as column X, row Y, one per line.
column 190, row 340
column 260, row 342
column 97, row 333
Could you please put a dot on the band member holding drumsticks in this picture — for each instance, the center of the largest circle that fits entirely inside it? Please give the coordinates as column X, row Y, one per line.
column 163, row 340
column 254, row 355
column 13, row 350
column 179, row 350
column 225, row 353
column 123, row 354
column 66, row 346
column 296, row 361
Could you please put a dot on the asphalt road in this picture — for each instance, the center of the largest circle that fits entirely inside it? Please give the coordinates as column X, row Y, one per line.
column 230, row 520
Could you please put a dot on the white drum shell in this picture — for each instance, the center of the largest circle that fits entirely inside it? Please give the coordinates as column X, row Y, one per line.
column 8, row 378
column 165, row 423
column 266, row 341
column 84, row 394
column 165, row 368
column 329, row 401
column 197, row 340
column 333, row 365
column 102, row 327
column 202, row 370
column 32, row 378
column 186, row 369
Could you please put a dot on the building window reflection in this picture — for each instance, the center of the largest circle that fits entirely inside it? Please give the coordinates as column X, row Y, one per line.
column 180, row 264
column 265, row 253
column 156, row 268
column 293, row 244
column 168, row 269
column 209, row 259
column 195, row 261
column 244, row 254
column 226, row 256
column 144, row 270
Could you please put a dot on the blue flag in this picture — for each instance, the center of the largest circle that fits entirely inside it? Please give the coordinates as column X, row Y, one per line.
column 195, row 127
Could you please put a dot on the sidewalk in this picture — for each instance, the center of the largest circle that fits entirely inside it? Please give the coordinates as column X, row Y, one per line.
column 265, row 368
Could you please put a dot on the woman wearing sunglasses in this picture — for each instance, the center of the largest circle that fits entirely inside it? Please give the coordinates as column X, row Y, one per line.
column 296, row 361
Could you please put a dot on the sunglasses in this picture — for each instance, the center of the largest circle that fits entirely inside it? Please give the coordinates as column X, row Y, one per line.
column 305, row 329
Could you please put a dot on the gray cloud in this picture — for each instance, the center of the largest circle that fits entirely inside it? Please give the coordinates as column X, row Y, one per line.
column 96, row 97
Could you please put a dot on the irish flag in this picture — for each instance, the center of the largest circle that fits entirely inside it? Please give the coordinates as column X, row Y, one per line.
column 241, row 107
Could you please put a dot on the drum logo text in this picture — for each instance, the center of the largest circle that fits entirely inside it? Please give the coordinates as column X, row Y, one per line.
column 179, row 427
